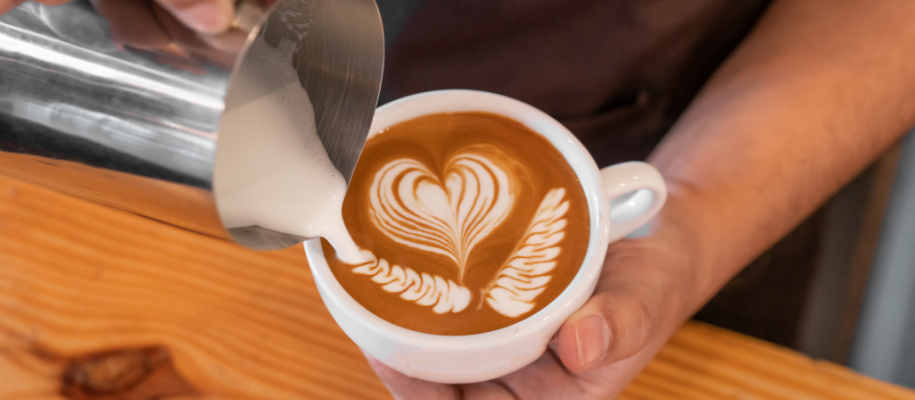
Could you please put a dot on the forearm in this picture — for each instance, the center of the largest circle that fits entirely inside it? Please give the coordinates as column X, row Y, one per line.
column 818, row 91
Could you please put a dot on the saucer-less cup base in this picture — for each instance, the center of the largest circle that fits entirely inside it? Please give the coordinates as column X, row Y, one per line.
column 484, row 356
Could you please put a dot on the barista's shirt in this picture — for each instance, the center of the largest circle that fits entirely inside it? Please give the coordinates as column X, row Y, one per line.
column 617, row 73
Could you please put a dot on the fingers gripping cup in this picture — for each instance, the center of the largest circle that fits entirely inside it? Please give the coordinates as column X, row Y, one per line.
column 486, row 224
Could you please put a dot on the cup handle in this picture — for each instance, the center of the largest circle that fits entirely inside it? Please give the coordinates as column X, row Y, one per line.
column 648, row 193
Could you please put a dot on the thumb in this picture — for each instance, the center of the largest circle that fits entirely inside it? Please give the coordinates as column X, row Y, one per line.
column 645, row 291
column 204, row 16
column 611, row 326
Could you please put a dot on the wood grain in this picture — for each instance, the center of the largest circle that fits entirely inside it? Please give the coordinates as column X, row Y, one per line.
column 705, row 362
column 77, row 279
column 98, row 304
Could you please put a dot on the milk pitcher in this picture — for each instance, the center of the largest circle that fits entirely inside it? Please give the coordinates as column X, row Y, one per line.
column 140, row 130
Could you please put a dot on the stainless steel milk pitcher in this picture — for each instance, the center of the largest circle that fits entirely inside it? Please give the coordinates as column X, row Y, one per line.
column 138, row 129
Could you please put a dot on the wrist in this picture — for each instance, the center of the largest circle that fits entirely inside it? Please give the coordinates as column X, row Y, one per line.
column 678, row 242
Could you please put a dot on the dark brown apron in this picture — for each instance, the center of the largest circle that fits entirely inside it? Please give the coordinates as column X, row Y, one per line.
column 617, row 73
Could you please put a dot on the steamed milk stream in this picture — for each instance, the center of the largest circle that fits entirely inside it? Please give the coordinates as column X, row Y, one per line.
column 271, row 168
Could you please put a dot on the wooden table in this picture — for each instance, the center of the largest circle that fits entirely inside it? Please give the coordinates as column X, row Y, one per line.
column 99, row 304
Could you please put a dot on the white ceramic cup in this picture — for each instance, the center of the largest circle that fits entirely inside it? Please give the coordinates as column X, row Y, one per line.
column 484, row 356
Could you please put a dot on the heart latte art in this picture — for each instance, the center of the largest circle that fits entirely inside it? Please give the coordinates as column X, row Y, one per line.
column 412, row 206
column 472, row 229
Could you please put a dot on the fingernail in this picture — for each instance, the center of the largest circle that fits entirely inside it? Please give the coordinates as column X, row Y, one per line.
column 593, row 336
column 206, row 17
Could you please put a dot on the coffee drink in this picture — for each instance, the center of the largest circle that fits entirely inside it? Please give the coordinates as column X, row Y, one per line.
column 471, row 222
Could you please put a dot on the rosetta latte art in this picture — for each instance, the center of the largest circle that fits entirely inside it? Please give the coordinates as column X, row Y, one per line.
column 526, row 273
column 424, row 289
column 412, row 207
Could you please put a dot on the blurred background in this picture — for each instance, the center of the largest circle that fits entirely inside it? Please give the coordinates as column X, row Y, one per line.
column 840, row 287
column 884, row 344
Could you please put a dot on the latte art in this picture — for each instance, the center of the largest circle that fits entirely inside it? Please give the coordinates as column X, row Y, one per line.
column 526, row 273
column 411, row 205
column 471, row 222
column 515, row 288
column 424, row 289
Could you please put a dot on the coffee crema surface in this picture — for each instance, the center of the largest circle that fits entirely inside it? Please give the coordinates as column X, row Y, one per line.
column 472, row 222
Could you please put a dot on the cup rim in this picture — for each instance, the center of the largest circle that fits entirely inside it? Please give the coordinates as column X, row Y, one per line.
column 568, row 301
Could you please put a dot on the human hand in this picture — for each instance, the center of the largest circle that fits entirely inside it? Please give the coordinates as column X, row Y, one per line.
column 644, row 294
column 201, row 27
